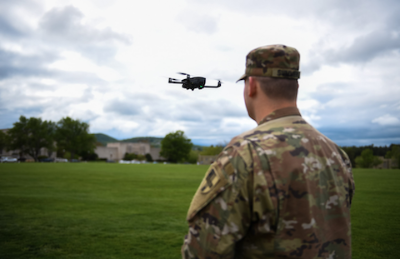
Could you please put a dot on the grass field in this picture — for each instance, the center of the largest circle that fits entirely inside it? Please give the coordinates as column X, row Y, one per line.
column 101, row 210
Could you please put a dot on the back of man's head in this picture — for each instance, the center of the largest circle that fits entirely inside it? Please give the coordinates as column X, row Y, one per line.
column 278, row 88
column 276, row 68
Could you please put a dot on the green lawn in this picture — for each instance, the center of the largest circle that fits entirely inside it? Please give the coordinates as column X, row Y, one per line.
column 99, row 210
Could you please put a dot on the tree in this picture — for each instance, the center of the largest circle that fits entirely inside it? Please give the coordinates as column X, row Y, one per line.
column 3, row 142
column 149, row 158
column 211, row 150
column 175, row 147
column 130, row 156
column 367, row 159
column 89, row 156
column 73, row 136
column 394, row 153
column 193, row 156
column 30, row 135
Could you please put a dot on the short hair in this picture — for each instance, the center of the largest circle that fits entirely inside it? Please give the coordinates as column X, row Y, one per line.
column 279, row 88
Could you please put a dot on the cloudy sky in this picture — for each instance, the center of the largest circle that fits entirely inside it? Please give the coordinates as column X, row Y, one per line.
column 108, row 62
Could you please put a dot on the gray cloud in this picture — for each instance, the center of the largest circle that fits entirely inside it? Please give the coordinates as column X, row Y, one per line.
column 363, row 135
column 13, row 64
column 340, row 12
column 64, row 28
column 366, row 47
column 9, row 30
column 340, row 18
column 16, row 64
column 65, row 25
column 134, row 104
column 123, row 107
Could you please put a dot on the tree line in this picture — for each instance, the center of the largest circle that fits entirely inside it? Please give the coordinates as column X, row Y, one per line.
column 29, row 135
column 368, row 156
column 71, row 138
column 176, row 147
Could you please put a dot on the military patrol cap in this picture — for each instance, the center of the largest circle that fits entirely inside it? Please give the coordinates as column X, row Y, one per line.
column 278, row 61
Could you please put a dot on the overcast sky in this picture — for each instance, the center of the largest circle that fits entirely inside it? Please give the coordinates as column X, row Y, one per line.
column 108, row 62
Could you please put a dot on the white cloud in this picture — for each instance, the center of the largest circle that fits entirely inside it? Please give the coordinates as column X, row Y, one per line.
column 386, row 120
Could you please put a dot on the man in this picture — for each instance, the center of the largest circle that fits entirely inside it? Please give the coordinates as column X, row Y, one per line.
column 281, row 190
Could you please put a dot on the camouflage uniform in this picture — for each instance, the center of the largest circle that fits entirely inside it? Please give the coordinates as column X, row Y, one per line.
column 281, row 190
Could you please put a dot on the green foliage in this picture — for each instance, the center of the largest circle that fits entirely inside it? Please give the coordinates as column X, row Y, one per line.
column 73, row 136
column 211, row 150
column 3, row 142
column 175, row 147
column 133, row 156
column 394, row 153
column 354, row 151
column 104, row 139
column 130, row 156
column 367, row 159
column 89, row 156
column 193, row 156
column 148, row 157
column 141, row 157
column 30, row 135
column 68, row 156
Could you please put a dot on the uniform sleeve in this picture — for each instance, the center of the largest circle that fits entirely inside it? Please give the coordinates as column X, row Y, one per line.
column 220, row 212
column 350, row 185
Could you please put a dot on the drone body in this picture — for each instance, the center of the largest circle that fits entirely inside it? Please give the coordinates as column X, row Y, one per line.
column 192, row 82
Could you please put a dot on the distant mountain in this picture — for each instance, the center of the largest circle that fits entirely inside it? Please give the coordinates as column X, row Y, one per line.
column 104, row 139
column 153, row 141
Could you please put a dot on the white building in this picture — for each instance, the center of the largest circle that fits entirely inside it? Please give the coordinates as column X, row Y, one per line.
column 116, row 150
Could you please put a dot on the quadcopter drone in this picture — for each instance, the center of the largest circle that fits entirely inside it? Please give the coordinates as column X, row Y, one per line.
column 192, row 82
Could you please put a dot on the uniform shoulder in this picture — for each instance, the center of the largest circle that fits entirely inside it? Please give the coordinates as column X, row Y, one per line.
column 276, row 127
column 240, row 146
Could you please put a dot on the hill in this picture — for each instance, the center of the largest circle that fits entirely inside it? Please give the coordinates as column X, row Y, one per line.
column 153, row 141
column 104, row 139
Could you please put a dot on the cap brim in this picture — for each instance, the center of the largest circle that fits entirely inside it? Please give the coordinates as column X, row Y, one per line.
column 242, row 78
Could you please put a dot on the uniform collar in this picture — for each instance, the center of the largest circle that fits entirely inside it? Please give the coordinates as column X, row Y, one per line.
column 288, row 111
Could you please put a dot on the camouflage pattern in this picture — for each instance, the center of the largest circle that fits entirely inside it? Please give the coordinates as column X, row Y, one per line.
column 273, row 61
column 281, row 190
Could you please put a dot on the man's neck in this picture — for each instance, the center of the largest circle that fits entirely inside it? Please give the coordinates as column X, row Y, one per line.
column 265, row 110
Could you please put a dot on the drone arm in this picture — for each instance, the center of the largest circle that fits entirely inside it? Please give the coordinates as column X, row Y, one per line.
column 210, row 86
column 174, row 81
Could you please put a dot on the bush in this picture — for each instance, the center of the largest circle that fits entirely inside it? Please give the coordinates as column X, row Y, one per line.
column 193, row 156
column 211, row 150
column 89, row 156
column 148, row 157
column 367, row 159
column 130, row 156
column 67, row 155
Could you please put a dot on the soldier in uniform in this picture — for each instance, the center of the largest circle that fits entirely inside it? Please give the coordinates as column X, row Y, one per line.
column 280, row 190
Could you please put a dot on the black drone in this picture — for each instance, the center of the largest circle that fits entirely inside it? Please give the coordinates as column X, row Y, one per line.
column 192, row 82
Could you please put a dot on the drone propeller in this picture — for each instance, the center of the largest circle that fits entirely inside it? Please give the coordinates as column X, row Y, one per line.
column 183, row 74
column 174, row 79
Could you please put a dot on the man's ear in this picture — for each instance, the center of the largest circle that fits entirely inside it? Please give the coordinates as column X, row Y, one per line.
column 252, row 86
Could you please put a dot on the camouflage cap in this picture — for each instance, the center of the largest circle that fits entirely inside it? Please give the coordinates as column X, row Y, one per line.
column 273, row 61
